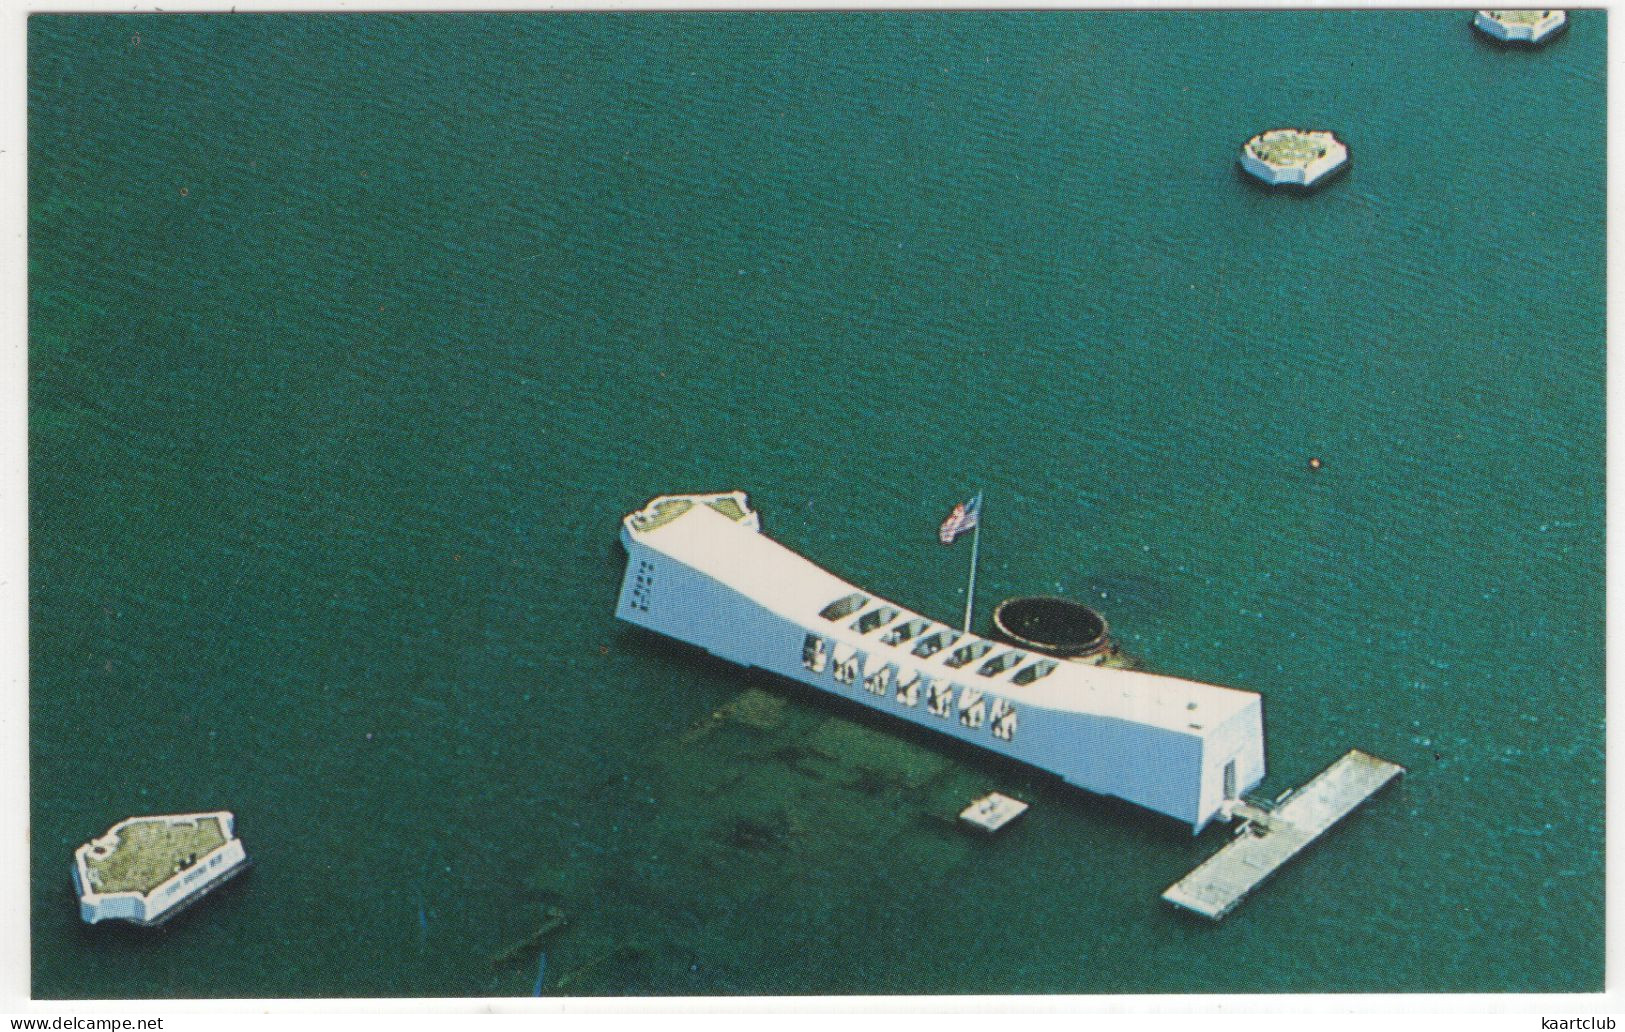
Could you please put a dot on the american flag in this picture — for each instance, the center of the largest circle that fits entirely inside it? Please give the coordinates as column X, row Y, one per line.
column 963, row 518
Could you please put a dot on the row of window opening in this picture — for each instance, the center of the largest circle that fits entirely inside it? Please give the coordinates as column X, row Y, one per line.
column 933, row 643
column 880, row 677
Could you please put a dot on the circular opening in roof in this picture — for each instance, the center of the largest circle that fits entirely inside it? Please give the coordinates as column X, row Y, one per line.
column 1058, row 626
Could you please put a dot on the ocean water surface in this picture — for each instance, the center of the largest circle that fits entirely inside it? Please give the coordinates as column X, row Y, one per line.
column 352, row 337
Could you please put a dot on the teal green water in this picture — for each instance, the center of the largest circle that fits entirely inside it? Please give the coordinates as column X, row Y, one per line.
column 352, row 338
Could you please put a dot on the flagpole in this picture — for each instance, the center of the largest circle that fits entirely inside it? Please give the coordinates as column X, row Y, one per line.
column 975, row 542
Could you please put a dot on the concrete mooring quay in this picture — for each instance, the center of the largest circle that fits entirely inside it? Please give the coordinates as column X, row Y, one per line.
column 1267, row 839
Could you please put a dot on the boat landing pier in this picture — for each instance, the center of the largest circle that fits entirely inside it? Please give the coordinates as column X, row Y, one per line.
column 1267, row 839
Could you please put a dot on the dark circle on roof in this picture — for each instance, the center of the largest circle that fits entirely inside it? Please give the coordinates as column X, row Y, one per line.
column 1058, row 626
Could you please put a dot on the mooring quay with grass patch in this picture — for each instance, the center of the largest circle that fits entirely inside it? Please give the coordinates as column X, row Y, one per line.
column 1294, row 158
column 147, row 869
column 699, row 570
column 1520, row 28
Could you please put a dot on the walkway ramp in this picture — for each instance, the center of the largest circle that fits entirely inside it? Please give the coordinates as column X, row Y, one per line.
column 1266, row 840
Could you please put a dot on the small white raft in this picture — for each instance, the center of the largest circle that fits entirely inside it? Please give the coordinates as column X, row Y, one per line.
column 992, row 812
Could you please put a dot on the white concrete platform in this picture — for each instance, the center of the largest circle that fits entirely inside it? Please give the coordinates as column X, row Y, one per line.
column 1266, row 840
column 993, row 811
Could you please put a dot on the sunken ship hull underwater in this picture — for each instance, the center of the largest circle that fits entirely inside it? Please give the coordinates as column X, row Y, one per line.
column 699, row 570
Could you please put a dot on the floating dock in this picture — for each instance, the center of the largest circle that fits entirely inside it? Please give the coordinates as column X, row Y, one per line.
column 1267, row 839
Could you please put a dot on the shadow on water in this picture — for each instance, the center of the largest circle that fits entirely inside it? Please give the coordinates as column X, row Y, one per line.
column 212, row 907
column 1491, row 44
column 1325, row 184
